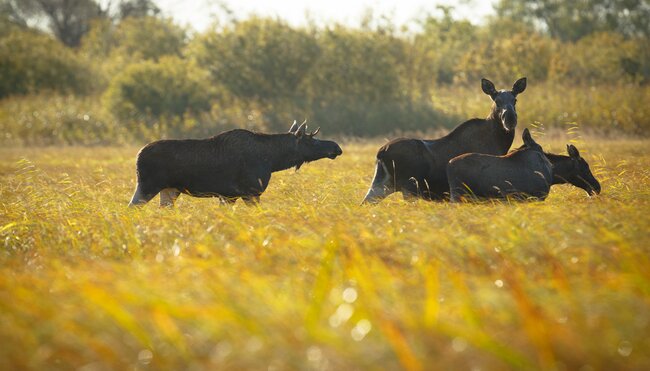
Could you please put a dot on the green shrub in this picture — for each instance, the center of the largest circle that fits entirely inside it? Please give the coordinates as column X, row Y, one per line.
column 356, row 85
column 47, row 119
column 149, row 38
column 151, row 90
column 32, row 62
column 260, row 59
column 600, row 58
column 506, row 59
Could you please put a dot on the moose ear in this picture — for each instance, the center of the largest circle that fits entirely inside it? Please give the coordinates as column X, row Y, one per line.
column 572, row 150
column 519, row 86
column 488, row 87
column 527, row 138
column 293, row 127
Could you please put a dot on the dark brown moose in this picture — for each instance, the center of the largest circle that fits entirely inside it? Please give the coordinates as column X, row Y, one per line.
column 417, row 168
column 521, row 174
column 234, row 164
column 573, row 169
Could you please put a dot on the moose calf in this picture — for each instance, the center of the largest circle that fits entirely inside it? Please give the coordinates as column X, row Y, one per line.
column 574, row 170
column 522, row 173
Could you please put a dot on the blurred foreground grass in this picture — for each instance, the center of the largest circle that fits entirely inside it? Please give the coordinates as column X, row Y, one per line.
column 311, row 280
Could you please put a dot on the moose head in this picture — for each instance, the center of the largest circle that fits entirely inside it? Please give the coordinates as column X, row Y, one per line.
column 577, row 172
column 503, row 109
column 310, row 148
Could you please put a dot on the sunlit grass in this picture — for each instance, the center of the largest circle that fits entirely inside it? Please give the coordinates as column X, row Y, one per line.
column 311, row 280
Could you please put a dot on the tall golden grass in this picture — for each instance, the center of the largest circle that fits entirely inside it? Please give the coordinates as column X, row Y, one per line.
column 311, row 280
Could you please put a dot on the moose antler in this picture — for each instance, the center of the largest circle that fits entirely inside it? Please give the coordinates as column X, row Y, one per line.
column 293, row 127
column 315, row 132
column 302, row 128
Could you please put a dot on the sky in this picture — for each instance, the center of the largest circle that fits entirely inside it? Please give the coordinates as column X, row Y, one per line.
column 199, row 14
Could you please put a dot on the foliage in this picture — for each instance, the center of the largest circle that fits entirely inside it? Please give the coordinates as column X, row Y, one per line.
column 506, row 58
column 149, row 38
column 599, row 109
column 41, row 120
column 31, row 62
column 262, row 73
column 601, row 58
column 149, row 90
column 51, row 119
column 68, row 20
column 437, row 50
column 135, row 39
column 261, row 59
column 311, row 279
column 570, row 21
column 137, row 8
column 355, row 84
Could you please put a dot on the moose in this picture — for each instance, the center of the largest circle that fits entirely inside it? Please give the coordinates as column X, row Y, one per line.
column 231, row 165
column 417, row 168
column 523, row 173
column 574, row 170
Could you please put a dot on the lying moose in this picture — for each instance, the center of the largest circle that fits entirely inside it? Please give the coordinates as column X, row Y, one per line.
column 234, row 164
column 524, row 173
column 417, row 168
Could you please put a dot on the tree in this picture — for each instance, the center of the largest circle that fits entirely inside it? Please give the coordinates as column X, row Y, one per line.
column 604, row 57
column 356, row 84
column 506, row 58
column 438, row 49
column 70, row 20
column 170, row 87
column 149, row 38
column 31, row 62
column 137, row 8
column 572, row 20
column 261, row 59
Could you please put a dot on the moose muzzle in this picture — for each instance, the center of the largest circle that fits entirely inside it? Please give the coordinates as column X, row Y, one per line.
column 509, row 118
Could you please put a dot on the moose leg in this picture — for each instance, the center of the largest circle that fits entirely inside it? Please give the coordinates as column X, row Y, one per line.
column 455, row 195
column 251, row 200
column 140, row 197
column 168, row 196
column 382, row 185
column 223, row 200
column 410, row 192
column 254, row 182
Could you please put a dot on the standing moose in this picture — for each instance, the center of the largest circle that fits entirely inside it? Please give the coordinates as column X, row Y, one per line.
column 234, row 164
column 417, row 168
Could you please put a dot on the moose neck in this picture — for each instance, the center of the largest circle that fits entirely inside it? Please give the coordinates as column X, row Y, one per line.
column 281, row 151
column 504, row 138
column 561, row 167
column 494, row 114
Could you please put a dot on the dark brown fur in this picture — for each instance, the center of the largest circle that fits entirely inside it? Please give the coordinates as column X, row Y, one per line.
column 234, row 164
column 523, row 173
column 574, row 170
column 417, row 168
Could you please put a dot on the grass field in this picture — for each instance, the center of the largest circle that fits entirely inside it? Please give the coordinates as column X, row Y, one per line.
column 311, row 280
